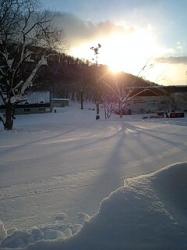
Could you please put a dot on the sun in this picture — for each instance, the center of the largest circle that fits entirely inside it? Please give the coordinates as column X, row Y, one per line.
column 130, row 52
column 122, row 51
column 115, row 68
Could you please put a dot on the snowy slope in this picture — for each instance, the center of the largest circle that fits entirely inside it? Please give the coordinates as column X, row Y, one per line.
column 66, row 162
column 149, row 212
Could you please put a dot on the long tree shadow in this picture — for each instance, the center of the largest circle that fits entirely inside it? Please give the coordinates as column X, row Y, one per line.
column 182, row 123
column 112, row 174
column 80, row 146
column 168, row 141
column 109, row 178
column 167, row 133
column 10, row 150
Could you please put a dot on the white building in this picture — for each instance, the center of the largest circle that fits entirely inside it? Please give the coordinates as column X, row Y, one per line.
column 155, row 99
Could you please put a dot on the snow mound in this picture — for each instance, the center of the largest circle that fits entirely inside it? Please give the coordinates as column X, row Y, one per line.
column 149, row 212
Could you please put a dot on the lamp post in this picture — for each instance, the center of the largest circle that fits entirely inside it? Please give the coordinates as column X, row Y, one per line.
column 96, row 53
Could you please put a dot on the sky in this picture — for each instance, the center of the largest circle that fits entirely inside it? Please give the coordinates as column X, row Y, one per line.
column 143, row 37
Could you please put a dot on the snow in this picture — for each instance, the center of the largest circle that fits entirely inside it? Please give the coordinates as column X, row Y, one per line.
column 148, row 212
column 3, row 232
column 65, row 163
column 17, row 239
column 56, row 231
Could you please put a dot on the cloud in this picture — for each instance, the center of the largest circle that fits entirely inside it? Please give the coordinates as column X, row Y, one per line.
column 77, row 30
column 172, row 60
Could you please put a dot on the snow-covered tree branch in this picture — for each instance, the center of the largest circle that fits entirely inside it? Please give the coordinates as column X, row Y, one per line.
column 26, row 39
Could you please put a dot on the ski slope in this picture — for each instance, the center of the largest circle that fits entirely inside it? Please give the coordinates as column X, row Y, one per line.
column 67, row 162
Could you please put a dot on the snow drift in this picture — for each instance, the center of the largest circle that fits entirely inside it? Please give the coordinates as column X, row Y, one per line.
column 149, row 212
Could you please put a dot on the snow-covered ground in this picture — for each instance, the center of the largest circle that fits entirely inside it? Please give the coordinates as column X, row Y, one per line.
column 67, row 162
column 149, row 212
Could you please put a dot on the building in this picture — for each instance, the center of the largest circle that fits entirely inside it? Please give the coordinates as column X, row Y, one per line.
column 59, row 102
column 32, row 102
column 157, row 98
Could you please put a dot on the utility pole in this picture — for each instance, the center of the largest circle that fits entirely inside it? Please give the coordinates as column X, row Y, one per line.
column 96, row 53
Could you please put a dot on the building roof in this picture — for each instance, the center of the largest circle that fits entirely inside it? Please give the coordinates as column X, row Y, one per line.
column 156, row 90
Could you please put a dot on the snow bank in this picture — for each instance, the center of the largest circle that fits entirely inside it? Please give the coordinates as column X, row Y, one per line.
column 149, row 212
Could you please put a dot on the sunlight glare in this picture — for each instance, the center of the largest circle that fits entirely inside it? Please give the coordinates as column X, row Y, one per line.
column 122, row 50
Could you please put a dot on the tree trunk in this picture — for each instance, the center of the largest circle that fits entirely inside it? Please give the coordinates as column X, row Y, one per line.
column 9, row 114
column 120, row 109
column 73, row 96
column 97, row 111
column 82, row 100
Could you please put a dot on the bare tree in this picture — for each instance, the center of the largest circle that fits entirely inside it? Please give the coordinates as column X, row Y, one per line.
column 26, row 36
